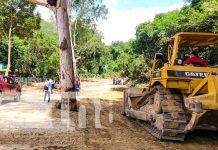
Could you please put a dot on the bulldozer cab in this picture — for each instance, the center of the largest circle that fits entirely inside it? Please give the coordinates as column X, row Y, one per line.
column 183, row 44
column 178, row 68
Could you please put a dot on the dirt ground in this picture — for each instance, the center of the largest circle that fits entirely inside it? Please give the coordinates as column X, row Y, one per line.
column 34, row 124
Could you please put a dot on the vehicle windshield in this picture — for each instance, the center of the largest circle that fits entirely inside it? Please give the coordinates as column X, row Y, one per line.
column 8, row 80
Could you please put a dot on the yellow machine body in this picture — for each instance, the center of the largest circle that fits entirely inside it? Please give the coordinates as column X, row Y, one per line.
column 197, row 84
column 180, row 97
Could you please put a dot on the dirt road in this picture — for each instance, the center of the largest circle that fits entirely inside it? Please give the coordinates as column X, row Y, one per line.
column 33, row 124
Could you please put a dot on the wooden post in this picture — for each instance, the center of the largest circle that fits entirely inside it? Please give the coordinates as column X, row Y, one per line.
column 67, row 58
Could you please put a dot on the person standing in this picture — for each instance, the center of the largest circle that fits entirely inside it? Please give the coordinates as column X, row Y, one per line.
column 77, row 88
column 77, row 85
column 47, row 90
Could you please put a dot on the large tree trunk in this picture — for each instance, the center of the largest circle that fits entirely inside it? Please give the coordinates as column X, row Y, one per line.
column 67, row 58
column 9, row 51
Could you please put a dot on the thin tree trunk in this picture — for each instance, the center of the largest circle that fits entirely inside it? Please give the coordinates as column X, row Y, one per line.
column 74, row 33
column 9, row 51
column 68, row 69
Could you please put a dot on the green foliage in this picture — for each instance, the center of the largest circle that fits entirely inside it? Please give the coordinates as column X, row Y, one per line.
column 87, row 41
column 39, row 55
column 90, row 11
column 20, row 16
column 92, row 53
column 86, row 13
column 15, row 54
column 204, row 18
column 17, row 18
column 200, row 16
column 152, row 36
column 124, row 62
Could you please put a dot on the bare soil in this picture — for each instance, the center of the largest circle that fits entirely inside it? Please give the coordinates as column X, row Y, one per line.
column 34, row 124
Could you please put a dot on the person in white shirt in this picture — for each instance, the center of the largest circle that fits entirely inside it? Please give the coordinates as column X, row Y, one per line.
column 47, row 90
column 52, row 82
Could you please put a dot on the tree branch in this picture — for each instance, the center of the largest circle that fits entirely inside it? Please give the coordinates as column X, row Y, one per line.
column 45, row 4
column 39, row 2
column 74, row 33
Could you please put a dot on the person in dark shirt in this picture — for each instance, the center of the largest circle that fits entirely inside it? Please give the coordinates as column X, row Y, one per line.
column 195, row 60
column 77, row 85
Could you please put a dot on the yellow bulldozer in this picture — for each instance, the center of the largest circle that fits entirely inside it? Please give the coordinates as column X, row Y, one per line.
column 182, row 95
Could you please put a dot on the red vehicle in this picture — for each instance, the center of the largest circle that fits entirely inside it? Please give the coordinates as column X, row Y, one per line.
column 9, row 88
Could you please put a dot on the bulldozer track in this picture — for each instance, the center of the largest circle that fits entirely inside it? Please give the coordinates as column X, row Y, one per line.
column 173, row 117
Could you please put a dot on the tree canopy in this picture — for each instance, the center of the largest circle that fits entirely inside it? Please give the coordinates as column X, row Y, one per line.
column 17, row 18
column 18, row 15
